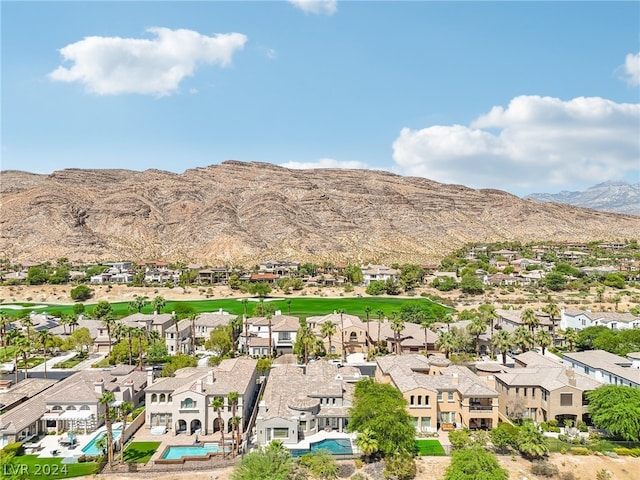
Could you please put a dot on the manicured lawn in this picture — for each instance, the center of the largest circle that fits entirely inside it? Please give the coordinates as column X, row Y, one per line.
column 32, row 466
column 140, row 452
column 72, row 362
column 431, row 448
column 9, row 354
column 299, row 306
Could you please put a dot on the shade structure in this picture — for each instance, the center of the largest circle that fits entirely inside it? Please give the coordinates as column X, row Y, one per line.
column 75, row 415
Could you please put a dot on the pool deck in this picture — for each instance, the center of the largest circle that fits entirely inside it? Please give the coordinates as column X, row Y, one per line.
column 50, row 443
column 170, row 440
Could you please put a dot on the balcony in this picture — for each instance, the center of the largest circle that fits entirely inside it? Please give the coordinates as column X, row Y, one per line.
column 480, row 408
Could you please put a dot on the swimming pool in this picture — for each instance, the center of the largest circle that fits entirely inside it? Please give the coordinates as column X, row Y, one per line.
column 335, row 446
column 91, row 448
column 175, row 453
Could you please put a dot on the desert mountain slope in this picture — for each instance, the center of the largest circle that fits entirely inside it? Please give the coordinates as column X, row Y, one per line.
column 619, row 197
column 239, row 213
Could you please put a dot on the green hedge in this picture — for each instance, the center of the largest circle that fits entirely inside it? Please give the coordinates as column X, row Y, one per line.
column 14, row 449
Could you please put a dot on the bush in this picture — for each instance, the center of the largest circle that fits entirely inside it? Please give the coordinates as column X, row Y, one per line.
column 580, row 451
column 633, row 452
column 81, row 293
column 13, row 449
column 544, row 469
column 567, row 476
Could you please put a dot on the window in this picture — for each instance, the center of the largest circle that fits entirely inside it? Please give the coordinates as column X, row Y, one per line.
column 188, row 403
column 411, row 400
column 71, row 407
column 425, row 422
column 84, row 407
column 353, row 337
column 163, row 398
column 419, row 399
column 303, row 425
column 566, row 399
column 56, row 408
column 450, row 396
column 533, row 393
column 154, row 398
column 282, row 336
column 280, row 432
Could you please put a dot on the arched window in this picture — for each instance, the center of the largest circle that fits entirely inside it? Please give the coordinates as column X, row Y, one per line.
column 353, row 337
column 169, row 398
column 163, row 398
column 56, row 408
column 71, row 407
column 188, row 403
column 154, row 398
column 84, row 407
column 411, row 400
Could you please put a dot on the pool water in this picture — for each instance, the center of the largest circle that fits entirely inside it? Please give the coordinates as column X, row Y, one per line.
column 91, row 448
column 174, row 453
column 335, row 446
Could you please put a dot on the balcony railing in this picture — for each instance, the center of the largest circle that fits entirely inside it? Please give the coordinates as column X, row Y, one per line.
column 480, row 408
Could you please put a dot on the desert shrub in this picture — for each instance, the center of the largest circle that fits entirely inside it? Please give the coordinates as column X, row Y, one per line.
column 544, row 469
column 603, row 475
column 625, row 452
column 359, row 476
column 15, row 448
column 567, row 476
column 580, row 451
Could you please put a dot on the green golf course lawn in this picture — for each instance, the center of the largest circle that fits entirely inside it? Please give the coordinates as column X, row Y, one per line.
column 297, row 306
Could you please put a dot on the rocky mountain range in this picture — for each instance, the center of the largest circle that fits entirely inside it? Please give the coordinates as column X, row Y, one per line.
column 611, row 196
column 240, row 213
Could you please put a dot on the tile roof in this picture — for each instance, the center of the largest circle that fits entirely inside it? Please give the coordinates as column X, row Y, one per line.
column 548, row 377
column 609, row 362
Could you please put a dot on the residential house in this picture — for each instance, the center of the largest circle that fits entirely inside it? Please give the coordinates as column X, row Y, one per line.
column 542, row 389
column 509, row 320
column 280, row 268
column 183, row 403
column 284, row 331
column 72, row 403
column 606, row 367
column 581, row 319
column 350, row 331
column 297, row 403
column 371, row 273
column 440, row 395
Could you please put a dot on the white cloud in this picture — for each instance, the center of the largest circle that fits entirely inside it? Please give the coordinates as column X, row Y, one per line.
column 156, row 66
column 325, row 163
column 535, row 144
column 271, row 54
column 316, row 7
column 632, row 69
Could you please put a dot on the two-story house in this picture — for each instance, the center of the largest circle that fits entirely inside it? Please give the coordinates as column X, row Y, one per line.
column 606, row 367
column 255, row 335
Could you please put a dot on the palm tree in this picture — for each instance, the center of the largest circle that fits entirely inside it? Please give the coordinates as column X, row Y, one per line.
column 307, row 339
column 158, row 303
column 380, row 314
column 245, row 303
column 289, row 307
column 328, row 330
column 23, row 347
column 367, row 312
column 543, row 338
column 73, row 322
column 4, row 322
column 138, row 303
column 531, row 443
column 554, row 312
column 192, row 319
column 530, row 319
column 177, row 344
column 522, row 338
column 344, row 351
column 27, row 323
column 446, row 342
column 140, row 334
column 476, row 328
column 13, row 337
column 503, row 342
column 397, row 325
column 571, row 336
column 124, row 410
column 425, row 326
column 106, row 400
column 367, row 443
column 129, row 332
column 232, row 398
column 236, row 328
column 270, row 339
column 103, row 311
column 217, row 404
column 488, row 313
column 448, row 319
column 44, row 339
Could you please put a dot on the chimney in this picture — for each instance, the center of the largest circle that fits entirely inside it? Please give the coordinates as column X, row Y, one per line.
column 454, row 378
column 128, row 385
column 210, row 377
column 198, row 386
column 491, row 381
column 98, row 386
column 571, row 376
column 149, row 377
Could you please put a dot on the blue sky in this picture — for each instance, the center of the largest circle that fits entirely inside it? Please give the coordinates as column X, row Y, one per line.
column 520, row 96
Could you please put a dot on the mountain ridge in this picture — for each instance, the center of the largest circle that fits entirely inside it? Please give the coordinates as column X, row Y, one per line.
column 244, row 212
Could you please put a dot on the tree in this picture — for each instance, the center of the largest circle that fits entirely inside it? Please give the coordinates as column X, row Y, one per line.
column 233, row 397
column 460, row 438
column 554, row 312
column 45, row 338
column 503, row 342
column 543, row 339
column 219, row 341
column 616, row 408
column 555, row 281
column 367, row 443
column 261, row 289
column 218, row 404
column 522, row 338
column 321, row 464
column 381, row 409
column 476, row 328
column 376, row 287
column 367, row 313
column 80, row 340
column 475, row 463
column 81, row 293
column 504, row 436
column 411, row 276
column 471, row 284
column 106, row 400
column 177, row 362
column 400, row 466
column 353, row 273
column 37, row 275
column 530, row 319
column 446, row 343
column 138, row 303
column 571, row 336
column 158, row 303
column 425, row 325
column 124, row 410
column 397, row 325
column 531, row 443
column 268, row 463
